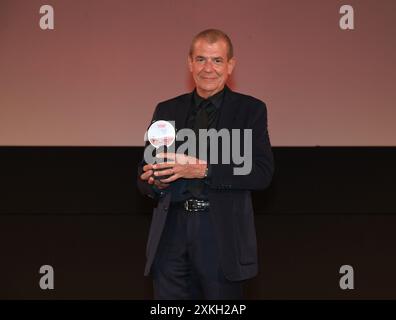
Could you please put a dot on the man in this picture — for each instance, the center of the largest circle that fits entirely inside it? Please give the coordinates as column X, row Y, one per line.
column 202, row 241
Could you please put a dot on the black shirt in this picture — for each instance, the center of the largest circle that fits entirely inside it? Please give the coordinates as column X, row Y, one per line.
column 180, row 187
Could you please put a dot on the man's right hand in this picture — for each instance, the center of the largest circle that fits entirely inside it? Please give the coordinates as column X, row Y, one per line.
column 147, row 175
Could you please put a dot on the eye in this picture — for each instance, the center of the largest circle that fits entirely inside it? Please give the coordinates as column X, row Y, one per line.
column 199, row 59
column 218, row 60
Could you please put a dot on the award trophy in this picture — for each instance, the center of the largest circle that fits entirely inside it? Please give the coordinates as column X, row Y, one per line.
column 161, row 135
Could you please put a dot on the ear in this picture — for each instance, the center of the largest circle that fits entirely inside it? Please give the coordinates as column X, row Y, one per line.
column 231, row 65
column 190, row 63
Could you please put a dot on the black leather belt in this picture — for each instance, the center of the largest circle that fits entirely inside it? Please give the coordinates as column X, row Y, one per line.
column 192, row 205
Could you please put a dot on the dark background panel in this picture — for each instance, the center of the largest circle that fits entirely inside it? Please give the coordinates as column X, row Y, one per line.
column 78, row 209
column 102, row 257
column 102, row 179
column 93, row 256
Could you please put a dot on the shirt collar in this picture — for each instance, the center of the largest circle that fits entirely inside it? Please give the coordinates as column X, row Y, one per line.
column 216, row 99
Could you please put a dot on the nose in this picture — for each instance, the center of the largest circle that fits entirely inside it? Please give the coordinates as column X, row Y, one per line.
column 208, row 67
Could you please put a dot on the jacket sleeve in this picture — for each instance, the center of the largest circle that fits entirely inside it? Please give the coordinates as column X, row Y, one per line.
column 222, row 176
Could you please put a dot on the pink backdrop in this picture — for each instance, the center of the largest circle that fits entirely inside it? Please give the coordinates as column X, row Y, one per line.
column 96, row 78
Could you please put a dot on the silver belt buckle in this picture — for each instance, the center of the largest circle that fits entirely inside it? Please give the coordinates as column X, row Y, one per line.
column 200, row 205
column 187, row 205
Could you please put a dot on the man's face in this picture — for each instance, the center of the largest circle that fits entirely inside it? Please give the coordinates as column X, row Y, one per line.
column 210, row 66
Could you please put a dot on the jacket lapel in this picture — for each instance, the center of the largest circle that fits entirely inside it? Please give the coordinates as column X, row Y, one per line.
column 181, row 113
column 228, row 110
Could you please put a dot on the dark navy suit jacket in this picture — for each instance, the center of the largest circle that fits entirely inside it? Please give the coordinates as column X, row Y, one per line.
column 230, row 195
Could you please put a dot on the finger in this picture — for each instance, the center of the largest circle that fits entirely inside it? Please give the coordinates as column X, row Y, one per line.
column 164, row 172
column 168, row 155
column 163, row 165
column 165, row 154
column 171, row 178
column 151, row 180
column 147, row 167
column 161, row 185
column 146, row 175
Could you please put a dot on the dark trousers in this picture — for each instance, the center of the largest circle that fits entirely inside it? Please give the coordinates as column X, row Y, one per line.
column 187, row 264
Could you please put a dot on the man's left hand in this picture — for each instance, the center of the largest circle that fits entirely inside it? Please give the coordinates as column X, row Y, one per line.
column 179, row 165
